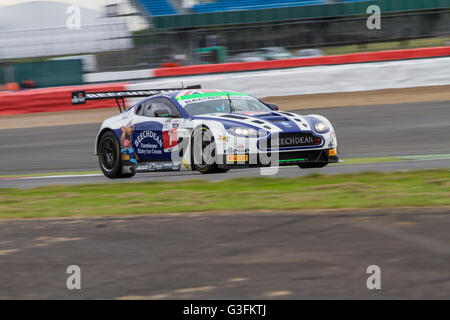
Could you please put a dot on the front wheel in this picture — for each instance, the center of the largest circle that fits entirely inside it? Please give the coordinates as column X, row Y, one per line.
column 109, row 157
column 204, row 152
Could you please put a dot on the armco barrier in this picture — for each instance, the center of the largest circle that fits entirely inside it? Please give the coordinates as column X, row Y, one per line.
column 304, row 62
column 319, row 79
column 265, row 65
column 329, row 74
column 52, row 99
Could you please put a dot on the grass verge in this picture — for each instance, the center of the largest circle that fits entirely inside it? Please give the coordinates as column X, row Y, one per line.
column 363, row 190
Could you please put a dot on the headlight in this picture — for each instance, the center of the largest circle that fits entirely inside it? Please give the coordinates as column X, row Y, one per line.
column 321, row 127
column 243, row 132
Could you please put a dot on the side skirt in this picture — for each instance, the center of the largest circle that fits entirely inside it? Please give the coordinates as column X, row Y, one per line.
column 162, row 166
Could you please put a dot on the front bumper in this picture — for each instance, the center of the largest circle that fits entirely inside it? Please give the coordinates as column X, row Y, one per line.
column 288, row 158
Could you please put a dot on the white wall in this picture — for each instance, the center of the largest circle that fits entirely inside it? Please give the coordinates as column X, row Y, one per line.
column 320, row 79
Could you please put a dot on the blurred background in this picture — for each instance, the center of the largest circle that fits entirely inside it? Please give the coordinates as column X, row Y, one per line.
column 56, row 43
column 386, row 91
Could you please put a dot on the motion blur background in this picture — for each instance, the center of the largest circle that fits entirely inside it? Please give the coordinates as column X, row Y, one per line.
column 54, row 43
column 386, row 91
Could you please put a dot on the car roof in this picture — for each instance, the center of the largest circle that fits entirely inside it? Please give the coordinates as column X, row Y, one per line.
column 188, row 92
column 176, row 93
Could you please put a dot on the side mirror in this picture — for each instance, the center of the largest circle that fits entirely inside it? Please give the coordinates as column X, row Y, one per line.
column 273, row 106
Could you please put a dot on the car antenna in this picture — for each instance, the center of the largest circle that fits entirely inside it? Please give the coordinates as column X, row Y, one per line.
column 230, row 102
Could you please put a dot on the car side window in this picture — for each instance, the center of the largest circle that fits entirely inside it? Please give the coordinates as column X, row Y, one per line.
column 160, row 107
column 146, row 109
column 138, row 110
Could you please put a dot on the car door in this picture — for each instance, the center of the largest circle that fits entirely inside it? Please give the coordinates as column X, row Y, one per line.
column 155, row 125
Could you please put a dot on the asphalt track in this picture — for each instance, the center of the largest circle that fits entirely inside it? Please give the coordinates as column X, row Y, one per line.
column 230, row 256
column 366, row 131
column 274, row 255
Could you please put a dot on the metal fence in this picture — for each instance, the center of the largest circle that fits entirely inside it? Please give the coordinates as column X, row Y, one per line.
column 152, row 49
column 58, row 41
column 116, row 51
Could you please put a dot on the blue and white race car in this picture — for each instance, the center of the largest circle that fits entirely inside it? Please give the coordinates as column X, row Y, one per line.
column 206, row 130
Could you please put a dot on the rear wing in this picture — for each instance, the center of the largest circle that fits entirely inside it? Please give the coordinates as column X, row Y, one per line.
column 81, row 97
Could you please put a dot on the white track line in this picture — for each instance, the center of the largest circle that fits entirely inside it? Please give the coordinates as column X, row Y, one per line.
column 54, row 177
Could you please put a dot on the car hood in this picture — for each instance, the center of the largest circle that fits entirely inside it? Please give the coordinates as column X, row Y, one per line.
column 271, row 121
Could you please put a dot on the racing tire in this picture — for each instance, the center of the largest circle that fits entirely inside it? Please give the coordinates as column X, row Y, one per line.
column 205, row 145
column 313, row 165
column 109, row 157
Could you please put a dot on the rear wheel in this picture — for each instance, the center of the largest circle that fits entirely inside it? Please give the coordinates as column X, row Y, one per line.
column 204, row 152
column 109, row 157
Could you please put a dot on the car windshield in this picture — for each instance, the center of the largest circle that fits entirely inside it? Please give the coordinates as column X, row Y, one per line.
column 223, row 105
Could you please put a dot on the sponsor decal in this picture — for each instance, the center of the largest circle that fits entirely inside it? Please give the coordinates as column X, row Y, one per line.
column 119, row 94
column 148, row 134
column 126, row 148
column 293, row 141
column 155, row 140
column 142, row 167
column 148, row 142
column 170, row 124
column 78, row 97
column 332, row 152
column 187, row 97
column 237, row 158
column 237, row 150
column 196, row 91
column 331, row 144
column 200, row 99
column 223, row 138
column 170, row 139
column 159, row 166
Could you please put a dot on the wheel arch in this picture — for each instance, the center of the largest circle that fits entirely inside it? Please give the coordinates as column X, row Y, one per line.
column 99, row 137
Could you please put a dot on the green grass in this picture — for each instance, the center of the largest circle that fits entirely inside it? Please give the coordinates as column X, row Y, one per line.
column 364, row 190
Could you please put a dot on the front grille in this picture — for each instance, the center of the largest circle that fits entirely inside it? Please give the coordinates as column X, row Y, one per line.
column 308, row 156
column 289, row 140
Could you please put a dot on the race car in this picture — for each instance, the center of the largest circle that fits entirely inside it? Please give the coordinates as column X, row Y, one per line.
column 211, row 131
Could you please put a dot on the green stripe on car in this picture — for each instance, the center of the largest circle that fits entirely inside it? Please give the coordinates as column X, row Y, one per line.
column 212, row 94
